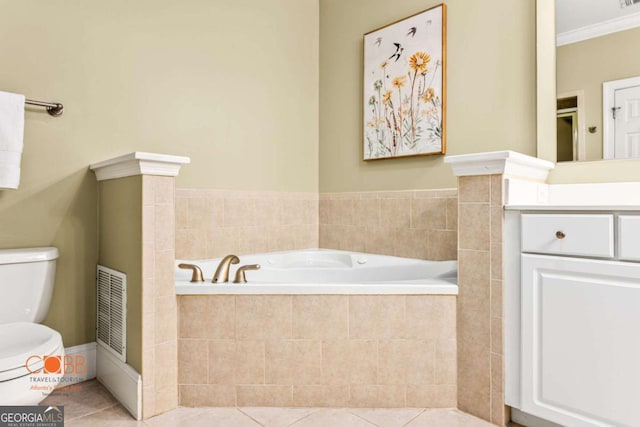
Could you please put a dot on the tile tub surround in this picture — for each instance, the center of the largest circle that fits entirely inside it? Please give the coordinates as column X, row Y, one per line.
column 214, row 223
column 414, row 224
column 315, row 351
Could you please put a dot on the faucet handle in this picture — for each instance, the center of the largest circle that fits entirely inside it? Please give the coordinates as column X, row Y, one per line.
column 196, row 275
column 240, row 277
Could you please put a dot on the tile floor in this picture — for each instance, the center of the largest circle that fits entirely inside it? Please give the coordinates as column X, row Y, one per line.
column 90, row 404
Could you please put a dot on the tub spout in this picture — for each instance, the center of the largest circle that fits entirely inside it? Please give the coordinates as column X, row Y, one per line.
column 240, row 277
column 222, row 272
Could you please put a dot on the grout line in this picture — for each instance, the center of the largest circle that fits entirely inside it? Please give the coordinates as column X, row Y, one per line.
column 417, row 415
column 94, row 412
column 239, row 409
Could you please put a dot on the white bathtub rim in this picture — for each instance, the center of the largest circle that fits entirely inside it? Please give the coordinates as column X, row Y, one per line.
column 434, row 287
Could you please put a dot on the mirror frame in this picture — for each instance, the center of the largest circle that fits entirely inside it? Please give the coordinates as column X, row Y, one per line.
column 546, row 79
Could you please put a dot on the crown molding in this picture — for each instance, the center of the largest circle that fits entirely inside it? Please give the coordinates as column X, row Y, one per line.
column 600, row 29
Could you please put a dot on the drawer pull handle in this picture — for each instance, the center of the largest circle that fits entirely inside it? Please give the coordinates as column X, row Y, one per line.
column 560, row 234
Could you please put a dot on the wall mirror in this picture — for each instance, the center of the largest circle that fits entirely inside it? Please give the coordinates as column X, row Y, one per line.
column 597, row 103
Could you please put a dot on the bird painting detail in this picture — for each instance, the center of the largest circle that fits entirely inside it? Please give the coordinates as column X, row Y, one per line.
column 397, row 53
column 378, row 41
column 412, row 32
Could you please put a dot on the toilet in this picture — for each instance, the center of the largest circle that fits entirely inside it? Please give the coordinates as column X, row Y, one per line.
column 31, row 355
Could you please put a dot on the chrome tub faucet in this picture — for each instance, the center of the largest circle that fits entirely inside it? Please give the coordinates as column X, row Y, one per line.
column 222, row 272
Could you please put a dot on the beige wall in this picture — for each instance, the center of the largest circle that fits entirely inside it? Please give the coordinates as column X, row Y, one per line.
column 232, row 84
column 491, row 92
column 120, row 248
column 587, row 64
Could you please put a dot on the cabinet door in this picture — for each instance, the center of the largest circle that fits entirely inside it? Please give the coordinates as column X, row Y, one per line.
column 581, row 341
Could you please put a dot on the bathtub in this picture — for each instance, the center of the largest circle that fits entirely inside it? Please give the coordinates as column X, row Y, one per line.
column 324, row 271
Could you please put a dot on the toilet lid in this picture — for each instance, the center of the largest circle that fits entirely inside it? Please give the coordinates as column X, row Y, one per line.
column 20, row 340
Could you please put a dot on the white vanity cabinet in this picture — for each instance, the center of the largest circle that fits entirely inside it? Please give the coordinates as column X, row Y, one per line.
column 580, row 318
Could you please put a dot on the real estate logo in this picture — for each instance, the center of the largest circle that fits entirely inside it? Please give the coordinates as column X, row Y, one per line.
column 32, row 416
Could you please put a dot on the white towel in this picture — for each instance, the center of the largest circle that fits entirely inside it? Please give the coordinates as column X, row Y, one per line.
column 11, row 138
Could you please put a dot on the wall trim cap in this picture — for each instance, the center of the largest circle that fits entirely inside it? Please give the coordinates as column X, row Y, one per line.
column 139, row 163
column 508, row 163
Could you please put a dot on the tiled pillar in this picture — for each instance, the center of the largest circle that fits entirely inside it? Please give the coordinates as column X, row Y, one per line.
column 480, row 308
column 158, row 330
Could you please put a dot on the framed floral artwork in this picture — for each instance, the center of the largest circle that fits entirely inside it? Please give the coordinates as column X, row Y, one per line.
column 404, row 87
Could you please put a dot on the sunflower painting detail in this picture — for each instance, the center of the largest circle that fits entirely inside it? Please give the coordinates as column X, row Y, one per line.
column 404, row 87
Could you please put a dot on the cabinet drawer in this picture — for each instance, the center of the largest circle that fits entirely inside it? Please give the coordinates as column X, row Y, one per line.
column 581, row 235
column 629, row 237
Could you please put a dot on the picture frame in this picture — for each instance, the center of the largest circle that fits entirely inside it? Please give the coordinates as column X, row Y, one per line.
column 405, row 87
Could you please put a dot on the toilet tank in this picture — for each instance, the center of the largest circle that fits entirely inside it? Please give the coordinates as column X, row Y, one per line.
column 26, row 283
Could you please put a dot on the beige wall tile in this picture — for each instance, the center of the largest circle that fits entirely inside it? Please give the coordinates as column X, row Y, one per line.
column 349, row 361
column 207, row 395
column 392, row 361
column 379, row 240
column 431, row 396
column 474, row 379
column 496, row 261
column 164, row 231
column 496, row 190
column 321, row 395
column 239, row 212
column 497, row 332
column 452, row 214
column 446, row 361
column 164, row 273
column 429, row 213
column 148, row 401
column 166, row 399
column 430, row 317
column 377, row 396
column 341, row 211
column 474, row 227
column 263, row 316
column 193, row 361
column 166, row 319
column 264, row 395
column 473, row 271
column 395, row 212
column 474, row 189
column 377, row 317
column 320, row 316
column 211, row 317
column 443, row 245
column 164, row 189
column 366, row 212
column 496, row 298
column 166, row 366
column 268, row 211
column 221, row 362
column 293, row 362
column 499, row 412
column 182, row 213
column 249, row 362
column 497, row 219
column 497, row 373
column 420, row 362
column 411, row 243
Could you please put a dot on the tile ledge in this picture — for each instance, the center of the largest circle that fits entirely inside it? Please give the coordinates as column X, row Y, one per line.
column 508, row 163
column 139, row 163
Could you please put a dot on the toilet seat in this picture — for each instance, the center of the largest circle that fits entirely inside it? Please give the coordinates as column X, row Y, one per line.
column 20, row 341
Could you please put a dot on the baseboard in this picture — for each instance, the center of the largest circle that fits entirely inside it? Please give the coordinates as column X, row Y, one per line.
column 82, row 361
column 121, row 380
column 529, row 420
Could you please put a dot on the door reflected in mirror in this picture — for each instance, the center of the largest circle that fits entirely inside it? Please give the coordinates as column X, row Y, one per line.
column 598, row 79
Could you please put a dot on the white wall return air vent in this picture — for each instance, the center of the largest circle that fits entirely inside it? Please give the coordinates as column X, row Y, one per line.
column 111, row 322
